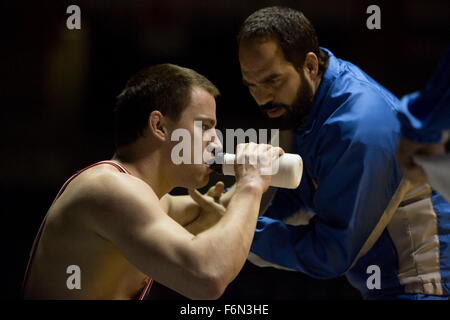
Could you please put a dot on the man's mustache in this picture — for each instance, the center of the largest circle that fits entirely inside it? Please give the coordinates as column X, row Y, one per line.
column 271, row 105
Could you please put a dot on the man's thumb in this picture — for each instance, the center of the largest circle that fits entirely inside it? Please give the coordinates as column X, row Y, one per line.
column 199, row 198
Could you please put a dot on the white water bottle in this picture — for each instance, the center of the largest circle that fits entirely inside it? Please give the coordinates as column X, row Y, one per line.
column 287, row 169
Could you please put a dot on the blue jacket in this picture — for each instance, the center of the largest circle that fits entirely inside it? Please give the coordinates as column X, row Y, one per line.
column 352, row 185
column 425, row 115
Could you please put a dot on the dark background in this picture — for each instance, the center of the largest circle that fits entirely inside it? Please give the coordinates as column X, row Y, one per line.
column 58, row 86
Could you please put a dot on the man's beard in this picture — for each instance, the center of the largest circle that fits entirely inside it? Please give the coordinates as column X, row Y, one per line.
column 295, row 114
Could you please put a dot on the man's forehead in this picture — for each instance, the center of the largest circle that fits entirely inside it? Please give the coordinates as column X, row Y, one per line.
column 259, row 57
column 202, row 102
column 257, row 68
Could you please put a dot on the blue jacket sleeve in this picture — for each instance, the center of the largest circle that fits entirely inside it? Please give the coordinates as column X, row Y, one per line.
column 426, row 114
column 356, row 174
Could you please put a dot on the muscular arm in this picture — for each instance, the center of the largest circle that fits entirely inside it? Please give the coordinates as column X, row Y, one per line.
column 195, row 212
column 125, row 211
column 182, row 209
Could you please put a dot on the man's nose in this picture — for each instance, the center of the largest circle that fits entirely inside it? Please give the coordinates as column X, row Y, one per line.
column 263, row 96
column 216, row 142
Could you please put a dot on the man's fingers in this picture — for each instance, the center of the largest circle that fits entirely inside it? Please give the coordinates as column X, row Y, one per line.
column 205, row 202
column 199, row 198
column 278, row 151
column 218, row 189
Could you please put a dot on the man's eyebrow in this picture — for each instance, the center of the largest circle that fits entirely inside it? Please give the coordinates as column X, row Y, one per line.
column 246, row 83
column 270, row 77
column 208, row 120
column 265, row 80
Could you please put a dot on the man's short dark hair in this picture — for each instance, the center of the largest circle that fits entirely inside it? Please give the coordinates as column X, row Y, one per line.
column 164, row 87
column 293, row 31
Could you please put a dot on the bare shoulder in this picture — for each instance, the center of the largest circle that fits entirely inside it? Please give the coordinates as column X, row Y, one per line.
column 110, row 199
column 107, row 186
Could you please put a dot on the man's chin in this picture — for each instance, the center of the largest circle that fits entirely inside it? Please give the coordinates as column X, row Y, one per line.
column 200, row 181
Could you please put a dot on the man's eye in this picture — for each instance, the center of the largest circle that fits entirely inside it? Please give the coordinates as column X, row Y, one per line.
column 205, row 127
column 274, row 81
column 251, row 88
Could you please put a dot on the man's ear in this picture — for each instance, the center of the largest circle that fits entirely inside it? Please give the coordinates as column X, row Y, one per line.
column 158, row 125
column 311, row 65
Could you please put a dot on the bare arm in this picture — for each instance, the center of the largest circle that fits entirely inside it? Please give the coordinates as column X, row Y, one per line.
column 182, row 209
column 265, row 199
column 195, row 212
column 199, row 267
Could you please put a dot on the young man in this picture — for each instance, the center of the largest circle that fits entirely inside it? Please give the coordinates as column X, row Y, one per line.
column 389, row 237
column 113, row 225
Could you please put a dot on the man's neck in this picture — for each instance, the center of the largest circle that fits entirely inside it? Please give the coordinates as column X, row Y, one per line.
column 149, row 169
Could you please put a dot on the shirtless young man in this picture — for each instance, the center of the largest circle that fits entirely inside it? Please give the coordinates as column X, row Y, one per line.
column 116, row 221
